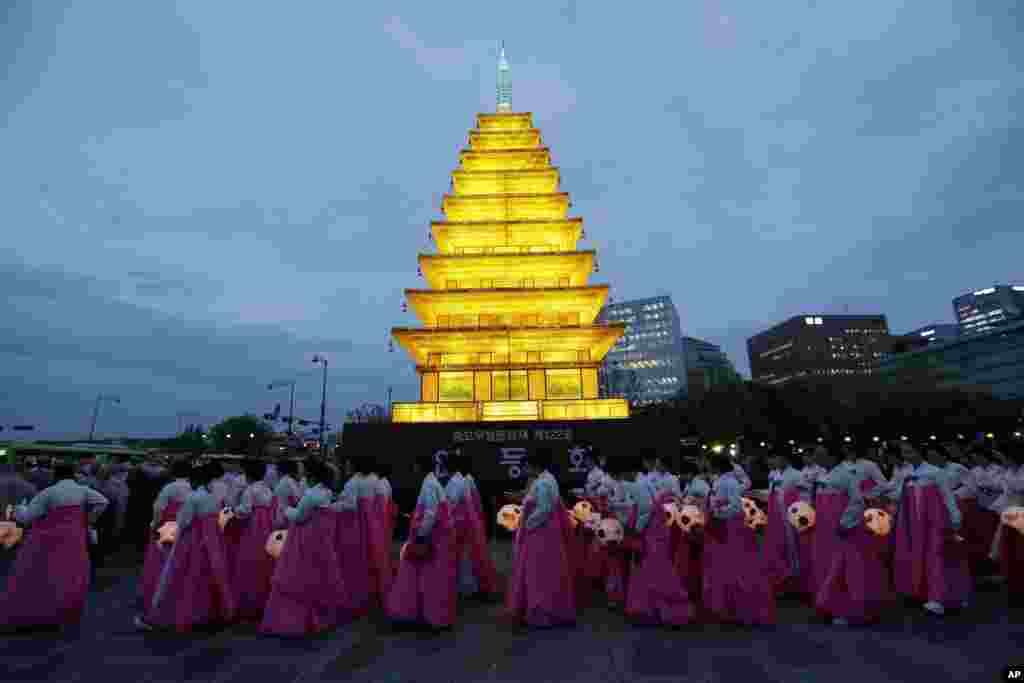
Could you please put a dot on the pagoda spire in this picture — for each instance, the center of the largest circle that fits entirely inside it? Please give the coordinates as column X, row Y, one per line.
column 504, row 83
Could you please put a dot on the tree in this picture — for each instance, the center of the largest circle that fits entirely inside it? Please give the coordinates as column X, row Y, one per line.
column 232, row 435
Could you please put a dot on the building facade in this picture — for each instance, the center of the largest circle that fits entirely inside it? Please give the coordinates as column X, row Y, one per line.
column 646, row 364
column 707, row 365
column 992, row 360
column 818, row 346
column 989, row 308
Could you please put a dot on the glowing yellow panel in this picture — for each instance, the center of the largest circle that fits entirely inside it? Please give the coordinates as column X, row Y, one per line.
column 429, row 304
column 567, row 269
column 495, row 411
column 508, row 121
column 598, row 409
column 509, row 236
column 428, row 387
column 564, row 384
column 483, row 386
column 518, row 385
column 544, row 181
column 504, row 139
column 513, row 207
column 538, row 387
column 455, row 386
column 589, row 382
column 505, row 160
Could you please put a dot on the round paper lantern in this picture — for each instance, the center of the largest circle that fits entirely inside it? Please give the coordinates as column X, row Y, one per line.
column 571, row 516
column 226, row 515
column 593, row 523
column 801, row 516
column 749, row 510
column 1013, row 517
column 6, row 529
column 15, row 537
column 582, row 510
column 690, row 516
column 760, row 520
column 508, row 517
column 275, row 543
column 671, row 513
column 610, row 531
column 877, row 521
column 168, row 533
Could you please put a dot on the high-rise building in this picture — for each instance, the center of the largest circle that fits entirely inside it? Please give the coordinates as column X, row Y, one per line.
column 508, row 320
column 707, row 363
column 823, row 346
column 646, row 364
column 989, row 308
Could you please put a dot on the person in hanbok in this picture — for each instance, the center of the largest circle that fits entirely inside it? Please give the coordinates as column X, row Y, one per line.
column 786, row 551
column 194, row 590
column 271, row 476
column 253, row 568
column 541, row 591
column 741, row 476
column 854, row 587
column 423, row 592
column 117, row 492
column 389, row 509
column 377, row 546
column 476, row 572
column 456, row 494
column 352, row 547
column 49, row 581
column 308, row 591
column 981, row 525
column 656, row 594
column 927, row 547
column 287, row 492
column 15, row 489
column 1008, row 544
column 618, row 493
column 736, row 587
column 689, row 546
column 168, row 503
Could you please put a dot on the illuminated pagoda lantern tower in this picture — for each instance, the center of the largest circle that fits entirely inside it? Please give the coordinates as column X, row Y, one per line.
column 508, row 318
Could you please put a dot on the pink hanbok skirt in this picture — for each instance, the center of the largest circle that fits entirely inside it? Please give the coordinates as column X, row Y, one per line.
column 856, row 586
column 424, row 590
column 736, row 588
column 478, row 547
column 656, row 593
column 541, row 592
column 195, row 585
column 156, row 556
column 979, row 529
column 307, row 590
column 49, row 581
column 354, row 558
column 253, row 567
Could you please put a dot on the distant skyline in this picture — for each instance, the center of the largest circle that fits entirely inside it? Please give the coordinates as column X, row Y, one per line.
column 200, row 196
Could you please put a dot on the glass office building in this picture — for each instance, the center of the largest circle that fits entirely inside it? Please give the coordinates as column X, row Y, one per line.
column 646, row 364
column 989, row 308
column 993, row 359
column 707, row 363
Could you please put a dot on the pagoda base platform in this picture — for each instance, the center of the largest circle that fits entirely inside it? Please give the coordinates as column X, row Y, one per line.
column 504, row 411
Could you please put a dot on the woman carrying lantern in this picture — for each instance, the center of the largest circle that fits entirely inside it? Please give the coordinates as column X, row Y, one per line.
column 736, row 587
column 541, row 592
column 618, row 490
column 854, row 586
column 457, row 494
column 253, row 568
column 656, row 594
column 287, row 492
column 172, row 496
column 351, row 547
column 423, row 592
column 786, row 549
column 308, row 591
column 49, row 581
column 195, row 586
column 477, row 574
column 1009, row 541
column 926, row 543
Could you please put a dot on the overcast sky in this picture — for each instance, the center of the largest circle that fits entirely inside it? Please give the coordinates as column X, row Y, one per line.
column 198, row 196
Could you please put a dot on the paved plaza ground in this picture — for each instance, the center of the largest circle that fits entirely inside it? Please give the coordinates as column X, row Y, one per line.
column 911, row 646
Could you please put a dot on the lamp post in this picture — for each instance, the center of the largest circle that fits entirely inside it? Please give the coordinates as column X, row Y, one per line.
column 96, row 411
column 291, row 402
column 323, row 404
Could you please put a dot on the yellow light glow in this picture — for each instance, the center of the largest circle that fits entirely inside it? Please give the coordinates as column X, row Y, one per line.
column 496, row 271
column 543, row 181
column 513, row 207
column 505, row 121
column 508, row 236
column 429, row 305
column 506, row 160
column 504, row 139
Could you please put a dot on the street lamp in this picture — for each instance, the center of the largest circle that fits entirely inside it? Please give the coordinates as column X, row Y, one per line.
column 291, row 402
column 323, row 403
column 96, row 411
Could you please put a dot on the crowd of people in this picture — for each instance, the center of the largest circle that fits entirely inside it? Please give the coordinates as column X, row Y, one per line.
column 300, row 552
